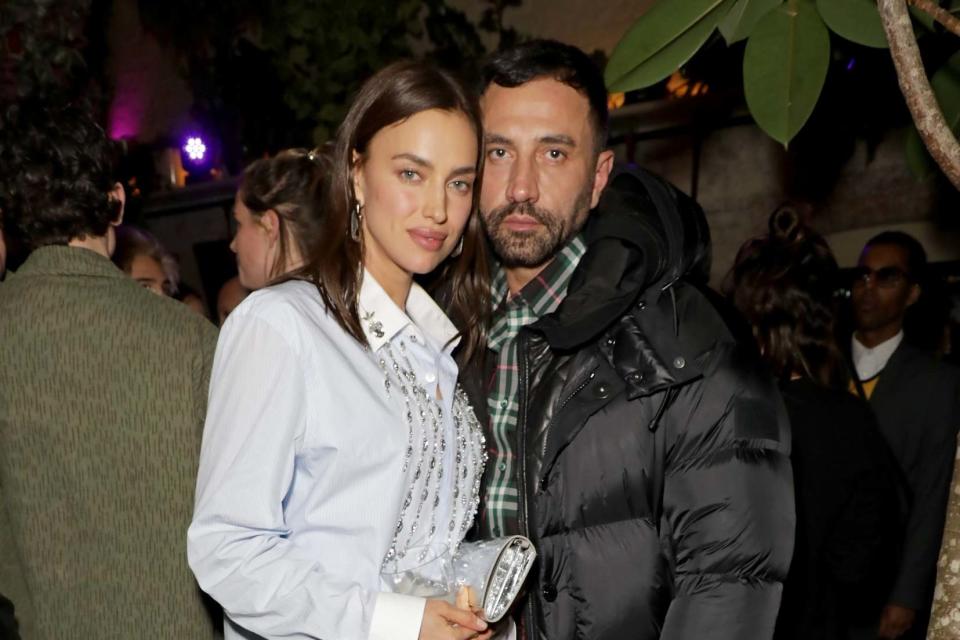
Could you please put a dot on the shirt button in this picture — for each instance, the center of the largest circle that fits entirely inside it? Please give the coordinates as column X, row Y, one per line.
column 502, row 466
column 679, row 362
column 430, row 377
column 503, row 404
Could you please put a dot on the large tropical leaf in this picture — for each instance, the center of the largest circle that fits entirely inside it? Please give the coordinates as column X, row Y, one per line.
column 739, row 22
column 856, row 20
column 784, row 68
column 946, row 86
column 661, row 41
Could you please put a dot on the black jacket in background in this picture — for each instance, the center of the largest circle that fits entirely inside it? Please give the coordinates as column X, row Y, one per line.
column 8, row 622
column 849, row 518
column 653, row 452
column 917, row 403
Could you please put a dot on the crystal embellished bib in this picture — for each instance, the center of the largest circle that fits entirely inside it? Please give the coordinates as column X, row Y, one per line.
column 425, row 464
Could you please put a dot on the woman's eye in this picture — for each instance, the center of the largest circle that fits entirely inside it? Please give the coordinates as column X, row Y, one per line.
column 462, row 186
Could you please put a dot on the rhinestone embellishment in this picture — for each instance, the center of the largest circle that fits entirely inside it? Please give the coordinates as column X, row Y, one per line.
column 374, row 326
column 427, row 462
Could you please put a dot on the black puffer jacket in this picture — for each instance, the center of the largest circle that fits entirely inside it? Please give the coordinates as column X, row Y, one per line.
column 654, row 454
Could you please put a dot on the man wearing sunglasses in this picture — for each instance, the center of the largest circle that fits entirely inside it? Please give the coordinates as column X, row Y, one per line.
column 917, row 403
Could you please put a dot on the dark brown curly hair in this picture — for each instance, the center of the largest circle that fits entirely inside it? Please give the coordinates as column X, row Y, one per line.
column 783, row 284
column 57, row 173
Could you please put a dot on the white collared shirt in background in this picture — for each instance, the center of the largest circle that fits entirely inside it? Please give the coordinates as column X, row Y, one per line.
column 301, row 473
column 870, row 362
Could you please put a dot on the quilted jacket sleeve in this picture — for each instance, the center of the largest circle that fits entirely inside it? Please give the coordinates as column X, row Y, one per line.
column 728, row 507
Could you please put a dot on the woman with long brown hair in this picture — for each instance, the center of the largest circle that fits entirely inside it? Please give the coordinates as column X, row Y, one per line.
column 337, row 440
column 844, row 475
column 277, row 213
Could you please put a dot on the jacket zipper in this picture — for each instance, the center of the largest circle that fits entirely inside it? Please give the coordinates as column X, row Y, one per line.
column 546, row 434
column 522, row 511
column 523, row 514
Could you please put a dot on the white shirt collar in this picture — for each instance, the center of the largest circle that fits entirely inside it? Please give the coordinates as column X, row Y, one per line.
column 381, row 319
column 870, row 362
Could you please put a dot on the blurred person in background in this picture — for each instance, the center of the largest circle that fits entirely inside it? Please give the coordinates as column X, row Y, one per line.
column 848, row 523
column 192, row 299
column 3, row 252
column 231, row 294
column 945, row 615
column 102, row 395
column 142, row 257
column 916, row 399
column 277, row 210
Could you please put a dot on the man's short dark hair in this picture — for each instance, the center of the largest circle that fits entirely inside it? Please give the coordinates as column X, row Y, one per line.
column 916, row 256
column 551, row 59
column 57, row 174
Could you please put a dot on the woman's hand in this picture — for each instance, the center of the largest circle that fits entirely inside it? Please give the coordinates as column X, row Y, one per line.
column 443, row 621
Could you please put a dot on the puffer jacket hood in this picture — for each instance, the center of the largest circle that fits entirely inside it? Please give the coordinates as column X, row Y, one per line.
column 643, row 237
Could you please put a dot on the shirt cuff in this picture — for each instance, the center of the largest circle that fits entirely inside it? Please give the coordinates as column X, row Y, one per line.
column 396, row 617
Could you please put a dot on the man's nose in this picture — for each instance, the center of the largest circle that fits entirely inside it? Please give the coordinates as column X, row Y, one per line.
column 523, row 185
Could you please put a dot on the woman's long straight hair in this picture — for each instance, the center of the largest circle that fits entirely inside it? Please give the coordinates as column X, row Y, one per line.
column 335, row 264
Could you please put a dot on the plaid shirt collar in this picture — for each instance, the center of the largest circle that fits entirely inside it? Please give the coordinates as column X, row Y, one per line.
column 543, row 294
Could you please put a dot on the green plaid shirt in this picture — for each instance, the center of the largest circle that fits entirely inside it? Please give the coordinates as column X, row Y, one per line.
column 540, row 296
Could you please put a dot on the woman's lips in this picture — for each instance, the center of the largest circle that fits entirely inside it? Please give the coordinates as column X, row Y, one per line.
column 428, row 239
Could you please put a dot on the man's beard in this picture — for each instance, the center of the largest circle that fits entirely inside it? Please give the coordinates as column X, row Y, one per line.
column 530, row 249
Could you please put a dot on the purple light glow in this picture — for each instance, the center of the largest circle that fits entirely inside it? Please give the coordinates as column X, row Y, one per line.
column 851, row 64
column 195, row 148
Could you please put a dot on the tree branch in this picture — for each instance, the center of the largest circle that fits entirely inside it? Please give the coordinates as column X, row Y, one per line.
column 944, row 17
column 915, row 86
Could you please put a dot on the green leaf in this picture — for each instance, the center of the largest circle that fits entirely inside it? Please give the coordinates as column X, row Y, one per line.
column 919, row 161
column 784, row 68
column 922, row 17
column 946, row 86
column 743, row 17
column 661, row 41
column 856, row 20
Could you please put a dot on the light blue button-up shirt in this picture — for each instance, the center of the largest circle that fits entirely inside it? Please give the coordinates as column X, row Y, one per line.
column 302, row 474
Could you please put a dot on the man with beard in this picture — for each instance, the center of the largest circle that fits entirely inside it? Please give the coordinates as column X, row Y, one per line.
column 917, row 402
column 631, row 437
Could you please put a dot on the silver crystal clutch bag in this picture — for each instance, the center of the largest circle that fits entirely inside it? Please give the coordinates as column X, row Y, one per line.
column 494, row 571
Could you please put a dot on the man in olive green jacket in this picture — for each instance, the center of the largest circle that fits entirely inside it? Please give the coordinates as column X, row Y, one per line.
column 102, row 398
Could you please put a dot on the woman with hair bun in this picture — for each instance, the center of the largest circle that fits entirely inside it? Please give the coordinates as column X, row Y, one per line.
column 848, row 521
column 277, row 211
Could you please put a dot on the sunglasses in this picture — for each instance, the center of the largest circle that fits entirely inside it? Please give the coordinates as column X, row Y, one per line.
column 885, row 277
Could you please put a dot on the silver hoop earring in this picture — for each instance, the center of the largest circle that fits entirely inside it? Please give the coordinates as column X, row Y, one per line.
column 356, row 215
column 457, row 250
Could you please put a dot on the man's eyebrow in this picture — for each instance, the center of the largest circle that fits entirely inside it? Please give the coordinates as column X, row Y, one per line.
column 496, row 138
column 415, row 159
column 558, row 138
